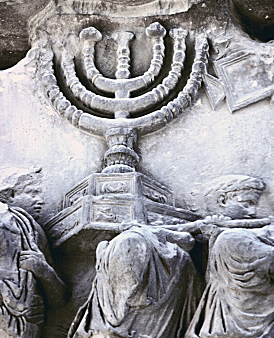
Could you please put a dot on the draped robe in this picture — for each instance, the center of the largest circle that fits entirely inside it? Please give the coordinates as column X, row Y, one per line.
column 22, row 310
column 144, row 288
column 239, row 298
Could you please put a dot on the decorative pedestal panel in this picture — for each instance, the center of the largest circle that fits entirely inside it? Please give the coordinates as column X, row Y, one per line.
column 108, row 202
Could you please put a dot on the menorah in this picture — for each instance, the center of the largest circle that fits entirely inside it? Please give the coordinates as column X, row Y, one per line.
column 121, row 132
column 118, row 194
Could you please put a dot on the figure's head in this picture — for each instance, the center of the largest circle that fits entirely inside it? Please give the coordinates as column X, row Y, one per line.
column 24, row 191
column 235, row 196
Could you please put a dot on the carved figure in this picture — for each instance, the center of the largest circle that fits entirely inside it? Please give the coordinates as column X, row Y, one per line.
column 105, row 214
column 24, row 260
column 146, row 286
column 239, row 297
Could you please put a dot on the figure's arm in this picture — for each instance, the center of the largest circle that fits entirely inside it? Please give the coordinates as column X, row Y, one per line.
column 183, row 239
column 57, row 292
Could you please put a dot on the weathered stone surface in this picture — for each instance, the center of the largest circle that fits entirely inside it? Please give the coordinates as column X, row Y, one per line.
column 127, row 107
column 14, row 16
column 258, row 17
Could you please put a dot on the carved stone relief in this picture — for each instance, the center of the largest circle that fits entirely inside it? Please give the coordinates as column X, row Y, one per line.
column 122, row 90
column 25, row 260
column 253, row 64
column 238, row 297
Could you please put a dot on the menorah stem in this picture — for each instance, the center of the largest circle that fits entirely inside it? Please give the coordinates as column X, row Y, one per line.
column 123, row 64
column 123, row 53
column 120, row 157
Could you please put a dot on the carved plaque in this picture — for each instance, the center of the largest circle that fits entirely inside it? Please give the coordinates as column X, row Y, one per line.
column 112, row 212
column 248, row 77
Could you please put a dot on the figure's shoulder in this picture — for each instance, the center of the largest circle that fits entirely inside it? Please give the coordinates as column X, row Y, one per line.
column 25, row 217
column 3, row 208
column 7, row 219
column 231, row 238
column 5, row 214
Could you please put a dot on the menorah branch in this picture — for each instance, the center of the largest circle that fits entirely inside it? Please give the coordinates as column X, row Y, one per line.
column 156, row 33
column 96, row 125
column 123, row 54
column 122, row 106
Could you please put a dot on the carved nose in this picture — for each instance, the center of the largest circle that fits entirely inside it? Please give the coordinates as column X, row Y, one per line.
column 40, row 200
column 252, row 212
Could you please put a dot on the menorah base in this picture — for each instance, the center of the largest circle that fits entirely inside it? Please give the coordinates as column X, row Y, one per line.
column 103, row 202
column 118, row 168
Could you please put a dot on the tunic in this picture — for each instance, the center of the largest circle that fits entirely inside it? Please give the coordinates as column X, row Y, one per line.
column 145, row 287
column 22, row 311
column 239, row 298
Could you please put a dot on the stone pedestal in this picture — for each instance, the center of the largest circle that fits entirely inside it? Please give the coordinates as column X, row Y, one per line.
column 108, row 202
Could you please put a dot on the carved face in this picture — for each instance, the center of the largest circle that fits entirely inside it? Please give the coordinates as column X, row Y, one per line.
column 240, row 204
column 30, row 199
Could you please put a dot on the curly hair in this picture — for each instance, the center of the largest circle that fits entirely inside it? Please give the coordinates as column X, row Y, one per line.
column 231, row 184
column 16, row 183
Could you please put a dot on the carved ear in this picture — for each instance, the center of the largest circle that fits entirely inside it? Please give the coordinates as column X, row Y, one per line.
column 11, row 193
column 222, row 199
